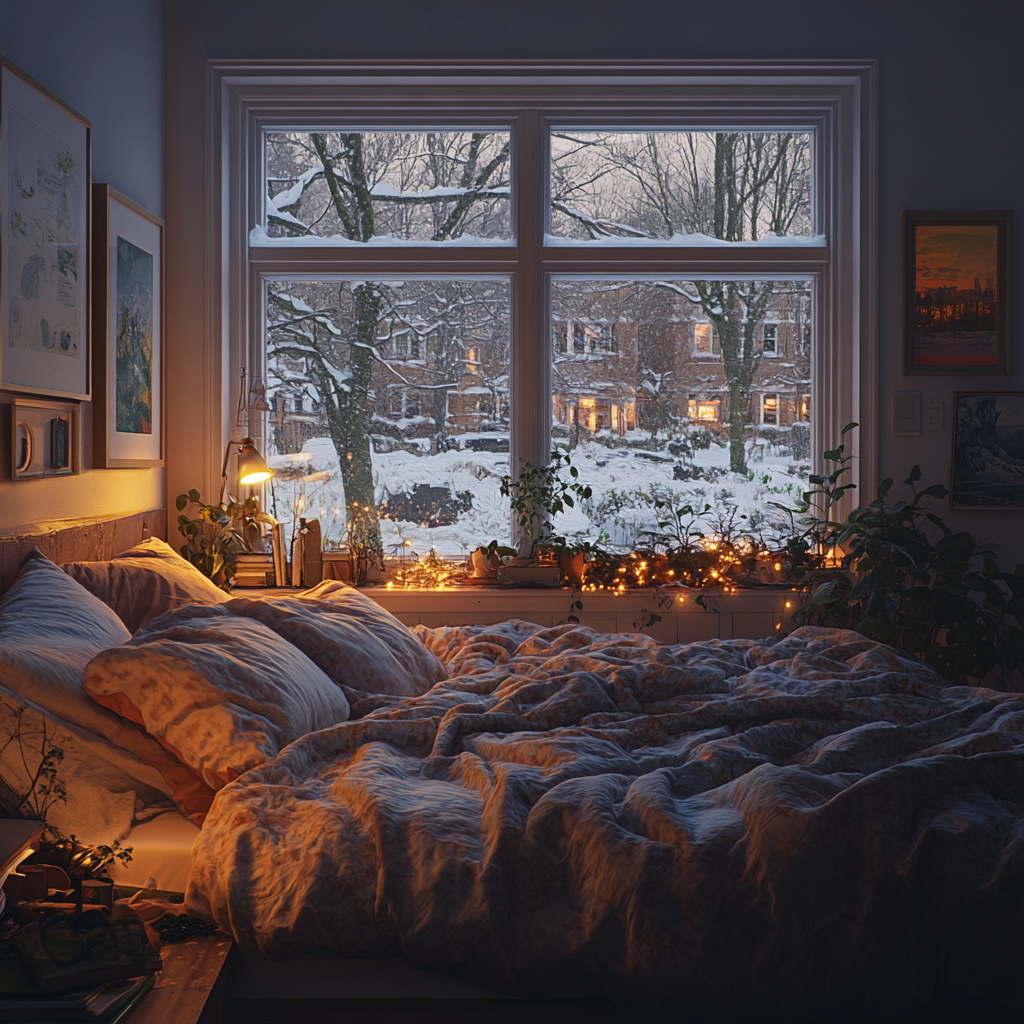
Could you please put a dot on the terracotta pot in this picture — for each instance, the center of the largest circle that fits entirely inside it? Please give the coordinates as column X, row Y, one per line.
column 573, row 567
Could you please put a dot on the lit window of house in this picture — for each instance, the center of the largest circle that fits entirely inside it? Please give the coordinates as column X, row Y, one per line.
column 770, row 409
column 707, row 409
column 705, row 340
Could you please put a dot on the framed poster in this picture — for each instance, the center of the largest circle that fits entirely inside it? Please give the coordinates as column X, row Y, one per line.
column 44, row 245
column 956, row 292
column 127, row 331
column 988, row 450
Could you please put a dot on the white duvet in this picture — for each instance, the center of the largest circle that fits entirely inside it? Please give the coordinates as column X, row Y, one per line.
column 807, row 830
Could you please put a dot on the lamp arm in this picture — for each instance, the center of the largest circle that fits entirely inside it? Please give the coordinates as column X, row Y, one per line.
column 224, row 466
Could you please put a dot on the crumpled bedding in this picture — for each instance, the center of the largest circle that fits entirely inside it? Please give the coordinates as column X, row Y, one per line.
column 802, row 830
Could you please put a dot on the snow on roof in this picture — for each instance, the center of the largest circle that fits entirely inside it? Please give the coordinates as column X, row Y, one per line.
column 259, row 237
column 694, row 240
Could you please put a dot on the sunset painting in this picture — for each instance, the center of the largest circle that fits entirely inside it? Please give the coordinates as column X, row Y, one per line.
column 956, row 306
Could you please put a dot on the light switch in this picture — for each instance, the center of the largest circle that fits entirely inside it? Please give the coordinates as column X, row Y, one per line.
column 906, row 413
column 934, row 414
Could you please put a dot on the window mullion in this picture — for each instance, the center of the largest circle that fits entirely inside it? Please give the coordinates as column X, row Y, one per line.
column 531, row 370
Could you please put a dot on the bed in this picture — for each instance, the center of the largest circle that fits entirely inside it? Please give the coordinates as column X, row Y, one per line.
column 804, row 828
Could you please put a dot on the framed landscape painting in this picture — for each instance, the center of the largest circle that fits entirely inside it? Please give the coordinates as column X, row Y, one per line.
column 128, row 337
column 957, row 303
column 44, row 244
column 988, row 450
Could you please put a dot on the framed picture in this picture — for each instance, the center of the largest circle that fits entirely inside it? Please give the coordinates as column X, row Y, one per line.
column 44, row 438
column 956, row 292
column 988, row 450
column 127, row 331
column 44, row 245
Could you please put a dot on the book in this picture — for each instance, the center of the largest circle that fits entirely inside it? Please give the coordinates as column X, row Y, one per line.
column 280, row 558
column 297, row 548
column 62, row 955
column 312, row 567
column 21, row 998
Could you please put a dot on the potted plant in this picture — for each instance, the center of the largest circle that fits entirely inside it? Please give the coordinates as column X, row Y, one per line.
column 220, row 533
column 537, row 495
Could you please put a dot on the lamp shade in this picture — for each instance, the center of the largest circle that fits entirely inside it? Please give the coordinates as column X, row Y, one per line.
column 252, row 467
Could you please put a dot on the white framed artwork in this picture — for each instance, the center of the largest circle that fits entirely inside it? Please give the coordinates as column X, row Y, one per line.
column 44, row 244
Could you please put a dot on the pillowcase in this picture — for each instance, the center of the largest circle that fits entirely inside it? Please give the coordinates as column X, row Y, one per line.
column 145, row 581
column 350, row 637
column 221, row 693
column 50, row 629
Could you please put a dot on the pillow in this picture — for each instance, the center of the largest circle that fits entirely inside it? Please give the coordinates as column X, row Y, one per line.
column 221, row 693
column 355, row 641
column 50, row 629
column 145, row 581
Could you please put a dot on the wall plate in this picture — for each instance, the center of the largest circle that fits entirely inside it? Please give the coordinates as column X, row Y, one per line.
column 906, row 413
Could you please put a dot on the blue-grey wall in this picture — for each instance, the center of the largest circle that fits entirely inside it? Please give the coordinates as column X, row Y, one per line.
column 104, row 58
column 951, row 86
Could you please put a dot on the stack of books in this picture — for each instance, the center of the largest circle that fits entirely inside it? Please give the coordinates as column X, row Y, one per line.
column 109, row 1002
column 254, row 570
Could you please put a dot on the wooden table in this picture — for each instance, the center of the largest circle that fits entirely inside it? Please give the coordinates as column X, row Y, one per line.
column 183, row 988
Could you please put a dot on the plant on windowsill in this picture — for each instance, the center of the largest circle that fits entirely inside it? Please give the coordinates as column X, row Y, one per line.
column 904, row 578
column 537, row 495
column 219, row 533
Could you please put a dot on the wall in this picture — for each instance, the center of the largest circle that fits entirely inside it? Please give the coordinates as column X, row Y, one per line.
column 951, row 103
column 105, row 59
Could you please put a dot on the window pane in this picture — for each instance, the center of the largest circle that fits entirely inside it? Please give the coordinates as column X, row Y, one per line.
column 390, row 187
column 389, row 400
column 677, row 401
column 641, row 187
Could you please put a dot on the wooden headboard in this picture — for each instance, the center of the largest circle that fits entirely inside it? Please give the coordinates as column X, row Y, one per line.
column 91, row 540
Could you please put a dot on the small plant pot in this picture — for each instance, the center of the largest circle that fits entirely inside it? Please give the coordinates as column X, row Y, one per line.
column 573, row 567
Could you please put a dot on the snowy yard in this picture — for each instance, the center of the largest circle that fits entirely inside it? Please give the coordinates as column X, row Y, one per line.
column 624, row 480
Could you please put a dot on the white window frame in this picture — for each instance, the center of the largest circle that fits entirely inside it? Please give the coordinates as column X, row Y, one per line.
column 775, row 412
column 834, row 98
column 774, row 353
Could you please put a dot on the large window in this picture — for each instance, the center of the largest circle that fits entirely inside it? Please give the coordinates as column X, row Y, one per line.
column 446, row 278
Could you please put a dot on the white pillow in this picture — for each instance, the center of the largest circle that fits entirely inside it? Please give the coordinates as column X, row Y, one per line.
column 50, row 629
column 350, row 637
column 222, row 694
column 145, row 581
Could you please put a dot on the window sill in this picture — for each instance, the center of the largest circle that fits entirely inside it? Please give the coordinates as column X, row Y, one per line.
column 741, row 615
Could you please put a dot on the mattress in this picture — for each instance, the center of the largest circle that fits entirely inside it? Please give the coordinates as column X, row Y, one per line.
column 161, row 850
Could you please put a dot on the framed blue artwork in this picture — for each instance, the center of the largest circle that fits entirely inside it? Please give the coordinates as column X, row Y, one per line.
column 988, row 450
column 127, row 330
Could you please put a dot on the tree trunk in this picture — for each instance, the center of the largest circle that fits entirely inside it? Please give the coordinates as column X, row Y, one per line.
column 737, row 428
column 357, row 468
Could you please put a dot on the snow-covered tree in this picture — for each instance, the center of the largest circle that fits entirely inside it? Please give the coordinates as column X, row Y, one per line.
column 344, row 183
column 733, row 186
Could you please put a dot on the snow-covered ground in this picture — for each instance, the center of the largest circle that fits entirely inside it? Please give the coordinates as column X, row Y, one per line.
column 625, row 481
